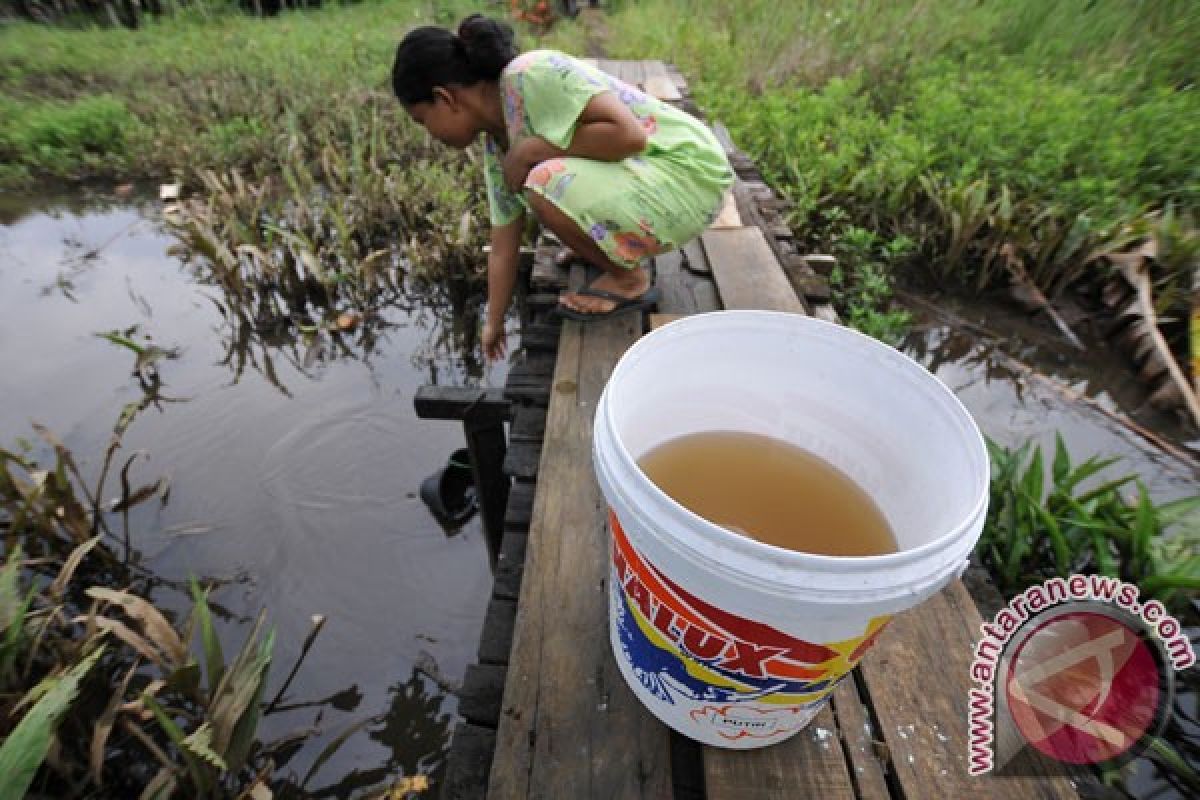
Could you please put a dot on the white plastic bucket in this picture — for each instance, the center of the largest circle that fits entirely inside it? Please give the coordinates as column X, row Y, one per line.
column 733, row 642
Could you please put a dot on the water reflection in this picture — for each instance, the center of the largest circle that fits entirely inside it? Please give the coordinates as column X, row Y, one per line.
column 265, row 324
column 302, row 486
column 939, row 347
column 414, row 732
column 1020, row 383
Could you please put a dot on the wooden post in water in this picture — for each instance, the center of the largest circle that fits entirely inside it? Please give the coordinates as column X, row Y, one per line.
column 485, row 441
column 483, row 413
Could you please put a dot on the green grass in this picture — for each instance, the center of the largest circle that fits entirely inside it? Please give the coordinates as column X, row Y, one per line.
column 1081, row 116
column 192, row 91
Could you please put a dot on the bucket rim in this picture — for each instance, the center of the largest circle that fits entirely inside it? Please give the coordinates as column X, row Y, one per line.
column 781, row 555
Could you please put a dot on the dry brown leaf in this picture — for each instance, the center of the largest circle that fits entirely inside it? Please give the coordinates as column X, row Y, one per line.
column 70, row 565
column 1152, row 370
column 1152, row 344
column 122, row 632
column 1167, row 396
column 409, row 785
column 154, row 624
column 104, row 727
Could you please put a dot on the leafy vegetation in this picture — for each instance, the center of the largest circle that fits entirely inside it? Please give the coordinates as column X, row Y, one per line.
column 99, row 688
column 1066, row 522
column 1024, row 137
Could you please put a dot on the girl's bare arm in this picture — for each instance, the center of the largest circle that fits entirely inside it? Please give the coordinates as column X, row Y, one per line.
column 502, row 266
column 607, row 131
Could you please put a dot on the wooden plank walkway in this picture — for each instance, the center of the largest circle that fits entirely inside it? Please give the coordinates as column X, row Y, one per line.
column 567, row 725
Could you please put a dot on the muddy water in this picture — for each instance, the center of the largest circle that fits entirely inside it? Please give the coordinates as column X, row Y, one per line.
column 295, row 483
column 1021, row 381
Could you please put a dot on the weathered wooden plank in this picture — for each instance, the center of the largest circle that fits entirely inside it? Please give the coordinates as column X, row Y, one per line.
column 528, row 368
column 658, row 320
column 510, row 566
column 488, row 450
column 546, row 274
column 533, row 366
column 858, row 742
column 677, row 78
column 808, row 284
column 569, row 725
column 659, row 84
column 536, row 393
column 632, row 72
column 610, row 66
column 746, row 194
column 528, row 425
column 916, row 679
column 460, row 402
column 722, row 134
column 706, row 295
column 496, row 640
column 521, row 460
column 826, row 312
column 673, row 283
column 479, row 697
column 520, row 507
column 687, row 768
column 821, row 264
column 540, row 337
column 694, row 259
column 810, row 764
column 747, row 272
column 542, row 300
column 468, row 762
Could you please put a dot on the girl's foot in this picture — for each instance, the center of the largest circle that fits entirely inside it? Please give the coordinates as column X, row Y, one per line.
column 629, row 284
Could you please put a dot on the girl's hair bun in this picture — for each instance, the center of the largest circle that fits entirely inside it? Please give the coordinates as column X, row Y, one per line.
column 487, row 44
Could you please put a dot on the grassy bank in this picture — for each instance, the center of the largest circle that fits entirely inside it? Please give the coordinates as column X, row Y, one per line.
column 307, row 190
column 970, row 140
column 968, row 136
column 192, row 91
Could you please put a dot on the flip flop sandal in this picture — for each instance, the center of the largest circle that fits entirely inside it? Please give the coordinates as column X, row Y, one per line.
column 642, row 302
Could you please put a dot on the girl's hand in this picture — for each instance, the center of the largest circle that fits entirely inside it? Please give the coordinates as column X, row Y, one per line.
column 495, row 344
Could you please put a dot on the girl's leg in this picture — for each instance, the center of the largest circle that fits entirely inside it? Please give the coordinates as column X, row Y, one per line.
column 615, row 277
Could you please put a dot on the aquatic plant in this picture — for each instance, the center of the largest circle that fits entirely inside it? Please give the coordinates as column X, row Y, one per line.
column 1076, row 519
column 99, row 687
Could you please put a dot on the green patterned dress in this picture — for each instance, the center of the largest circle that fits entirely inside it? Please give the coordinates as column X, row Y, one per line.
column 634, row 208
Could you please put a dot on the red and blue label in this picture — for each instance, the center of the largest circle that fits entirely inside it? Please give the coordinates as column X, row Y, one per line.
column 682, row 648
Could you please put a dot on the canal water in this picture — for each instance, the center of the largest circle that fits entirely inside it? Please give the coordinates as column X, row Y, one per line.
column 294, row 465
